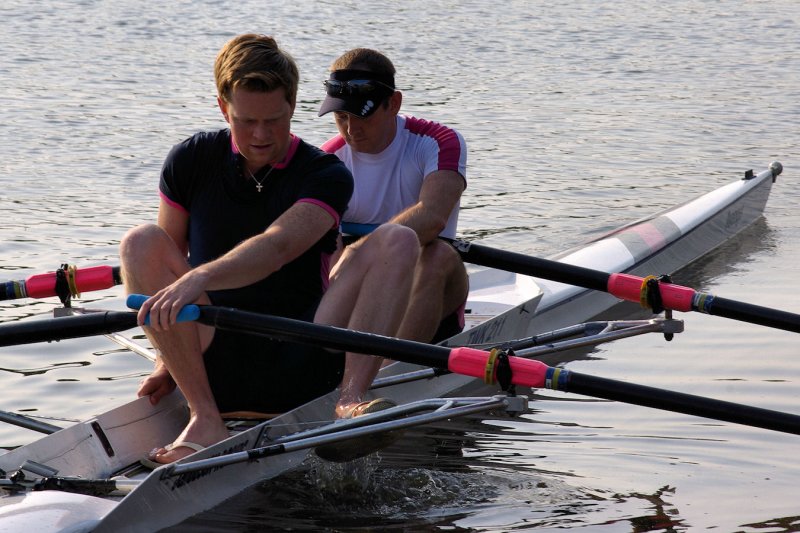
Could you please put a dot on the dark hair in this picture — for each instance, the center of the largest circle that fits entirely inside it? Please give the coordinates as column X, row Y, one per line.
column 364, row 59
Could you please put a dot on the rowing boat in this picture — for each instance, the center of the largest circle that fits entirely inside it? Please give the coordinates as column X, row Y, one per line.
column 88, row 478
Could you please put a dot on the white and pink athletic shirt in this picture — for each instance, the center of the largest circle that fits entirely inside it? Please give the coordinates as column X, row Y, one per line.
column 389, row 182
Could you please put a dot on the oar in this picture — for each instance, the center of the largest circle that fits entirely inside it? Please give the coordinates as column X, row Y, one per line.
column 483, row 364
column 70, row 327
column 626, row 286
column 122, row 340
column 66, row 281
column 27, row 422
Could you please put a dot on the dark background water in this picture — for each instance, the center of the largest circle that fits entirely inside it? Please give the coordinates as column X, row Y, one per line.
column 579, row 117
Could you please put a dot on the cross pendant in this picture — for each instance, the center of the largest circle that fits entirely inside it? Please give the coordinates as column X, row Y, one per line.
column 259, row 187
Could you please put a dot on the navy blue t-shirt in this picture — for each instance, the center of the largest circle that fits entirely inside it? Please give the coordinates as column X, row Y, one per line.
column 203, row 175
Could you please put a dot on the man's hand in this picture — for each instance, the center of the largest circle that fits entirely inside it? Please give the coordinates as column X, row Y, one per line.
column 165, row 305
column 157, row 385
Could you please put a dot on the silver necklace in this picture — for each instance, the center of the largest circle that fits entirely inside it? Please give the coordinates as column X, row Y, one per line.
column 258, row 183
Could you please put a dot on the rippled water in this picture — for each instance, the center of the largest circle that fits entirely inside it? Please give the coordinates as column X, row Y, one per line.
column 579, row 117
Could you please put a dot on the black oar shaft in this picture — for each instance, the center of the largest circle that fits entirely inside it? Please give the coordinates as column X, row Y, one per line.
column 27, row 422
column 68, row 327
column 322, row 335
column 681, row 403
column 532, row 266
column 754, row 314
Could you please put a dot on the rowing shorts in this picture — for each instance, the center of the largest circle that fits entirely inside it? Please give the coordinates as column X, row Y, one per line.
column 452, row 324
column 255, row 373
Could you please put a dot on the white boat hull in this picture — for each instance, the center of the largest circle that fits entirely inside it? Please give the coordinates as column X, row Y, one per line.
column 519, row 307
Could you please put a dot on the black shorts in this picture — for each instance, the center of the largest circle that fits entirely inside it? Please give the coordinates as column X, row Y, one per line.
column 255, row 373
column 452, row 324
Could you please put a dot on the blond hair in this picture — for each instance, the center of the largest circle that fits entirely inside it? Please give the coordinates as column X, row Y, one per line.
column 256, row 63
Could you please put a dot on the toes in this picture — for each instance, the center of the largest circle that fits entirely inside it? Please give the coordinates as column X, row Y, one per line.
column 156, row 451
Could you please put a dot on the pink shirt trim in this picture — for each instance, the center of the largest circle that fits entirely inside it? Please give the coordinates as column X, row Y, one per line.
column 333, row 144
column 172, row 203
column 450, row 148
column 331, row 211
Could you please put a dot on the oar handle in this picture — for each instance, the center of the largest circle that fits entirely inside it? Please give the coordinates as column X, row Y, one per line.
column 187, row 314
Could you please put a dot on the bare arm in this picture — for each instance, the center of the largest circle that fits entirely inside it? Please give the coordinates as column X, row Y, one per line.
column 294, row 232
column 176, row 223
column 440, row 193
column 284, row 240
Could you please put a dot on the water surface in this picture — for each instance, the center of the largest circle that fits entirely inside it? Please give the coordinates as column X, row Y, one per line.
column 579, row 117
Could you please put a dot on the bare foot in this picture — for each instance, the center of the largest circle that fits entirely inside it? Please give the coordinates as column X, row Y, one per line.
column 352, row 410
column 198, row 433
column 344, row 410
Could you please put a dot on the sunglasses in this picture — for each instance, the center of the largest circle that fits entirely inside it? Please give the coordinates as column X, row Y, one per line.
column 338, row 88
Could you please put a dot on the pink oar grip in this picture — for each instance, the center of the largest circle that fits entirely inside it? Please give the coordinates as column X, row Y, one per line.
column 629, row 288
column 472, row 362
column 86, row 279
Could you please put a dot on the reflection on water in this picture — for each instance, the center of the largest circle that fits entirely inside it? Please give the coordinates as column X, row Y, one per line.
column 579, row 117
column 42, row 370
column 788, row 523
column 756, row 241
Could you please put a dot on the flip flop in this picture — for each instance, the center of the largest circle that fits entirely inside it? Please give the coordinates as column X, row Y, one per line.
column 350, row 449
column 153, row 464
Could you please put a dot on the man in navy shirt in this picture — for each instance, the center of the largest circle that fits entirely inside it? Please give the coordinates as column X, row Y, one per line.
column 249, row 218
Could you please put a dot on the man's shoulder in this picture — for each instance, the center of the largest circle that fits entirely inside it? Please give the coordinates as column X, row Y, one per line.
column 425, row 127
column 316, row 160
column 334, row 145
column 431, row 135
column 206, row 139
column 201, row 144
column 309, row 153
column 439, row 147
column 200, row 148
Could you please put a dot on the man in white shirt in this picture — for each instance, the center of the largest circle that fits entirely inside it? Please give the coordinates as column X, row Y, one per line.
column 407, row 171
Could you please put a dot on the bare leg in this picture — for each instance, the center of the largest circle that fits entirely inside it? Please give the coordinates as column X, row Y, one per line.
column 369, row 291
column 440, row 287
column 150, row 261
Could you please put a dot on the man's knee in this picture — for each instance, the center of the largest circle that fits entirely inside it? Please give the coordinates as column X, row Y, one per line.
column 396, row 242
column 396, row 234
column 146, row 246
column 439, row 257
column 140, row 238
